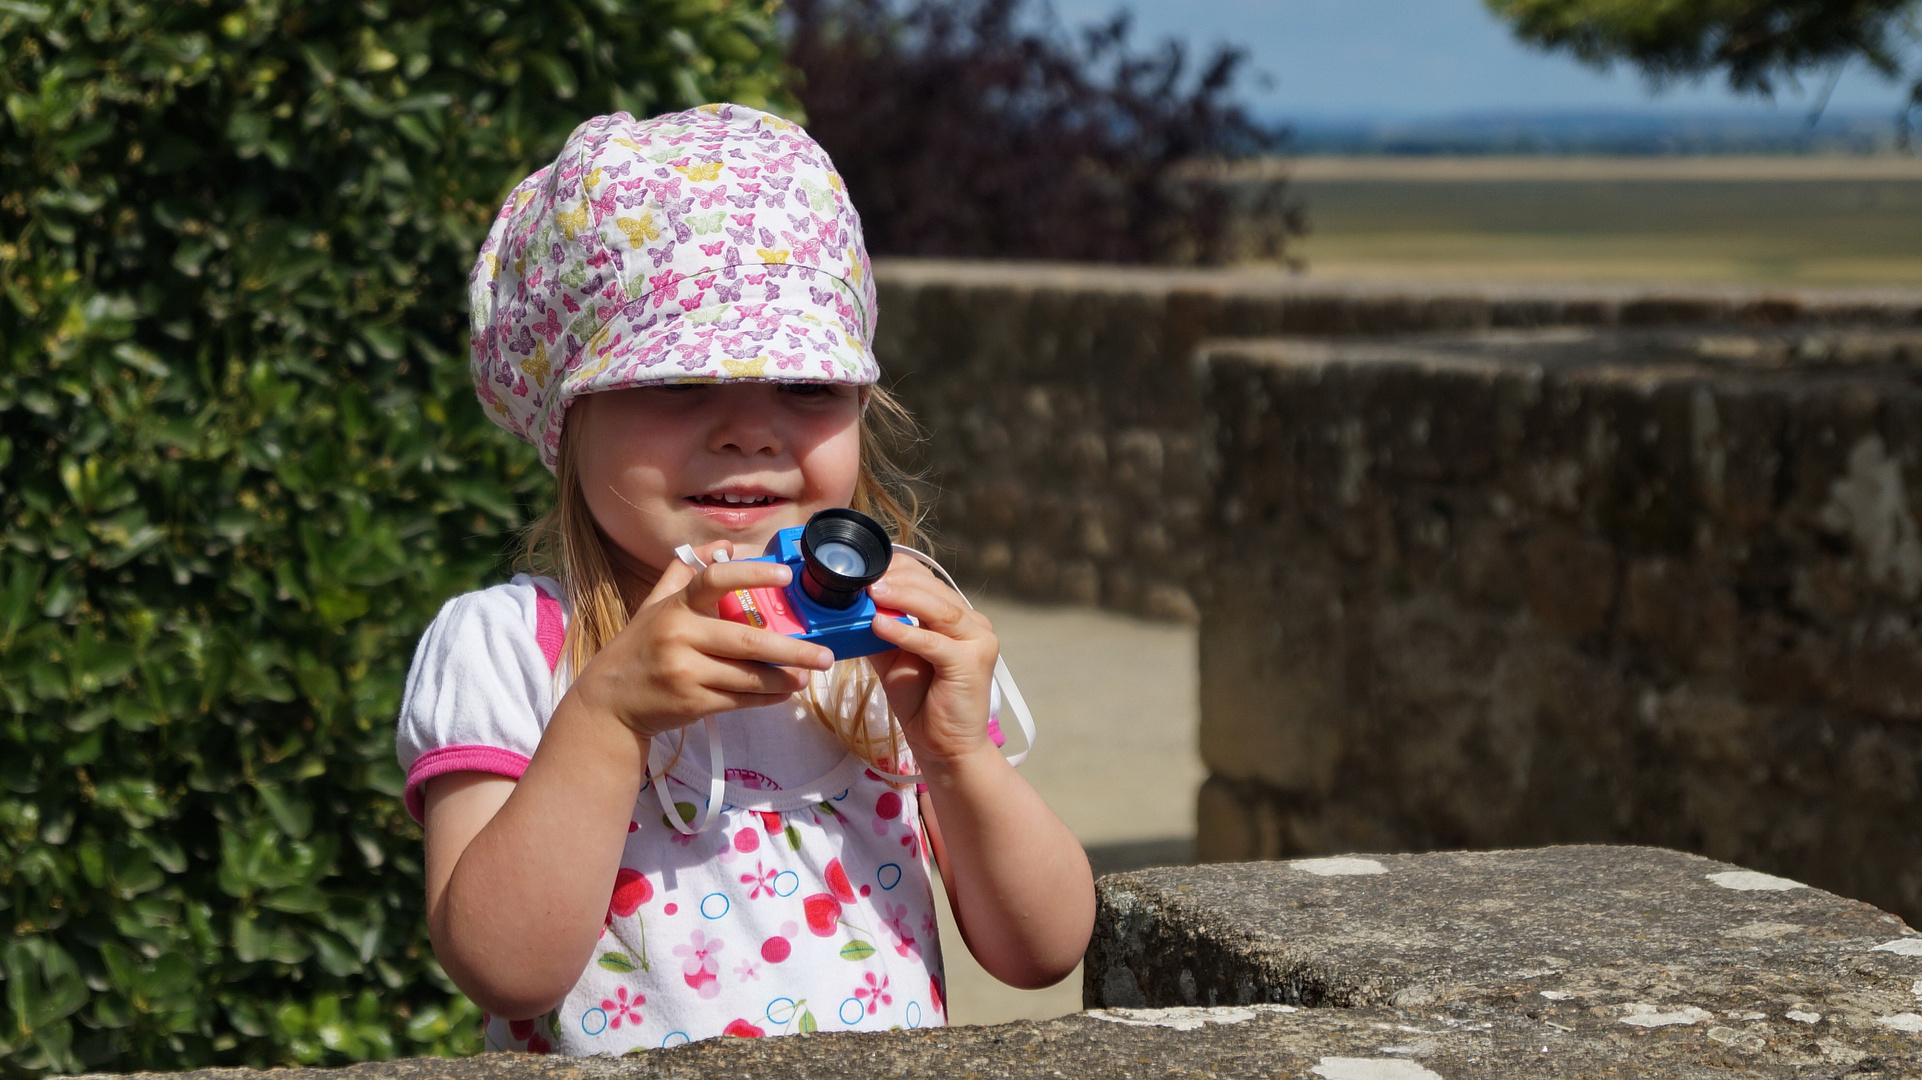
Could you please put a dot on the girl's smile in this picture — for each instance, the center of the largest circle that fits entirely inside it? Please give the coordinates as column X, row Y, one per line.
column 738, row 508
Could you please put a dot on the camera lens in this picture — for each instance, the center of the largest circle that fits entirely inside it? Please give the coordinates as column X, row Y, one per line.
column 841, row 558
column 842, row 553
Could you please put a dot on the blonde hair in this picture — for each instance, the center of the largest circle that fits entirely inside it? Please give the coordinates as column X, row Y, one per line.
column 566, row 544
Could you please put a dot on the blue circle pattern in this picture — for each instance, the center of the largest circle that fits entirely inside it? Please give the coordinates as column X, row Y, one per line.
column 858, row 1010
column 881, row 875
column 668, row 1039
column 786, row 882
column 914, row 1014
column 787, row 1014
column 707, row 904
column 594, row 1021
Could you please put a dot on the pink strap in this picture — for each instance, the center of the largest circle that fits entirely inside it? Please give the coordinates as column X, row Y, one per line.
column 548, row 628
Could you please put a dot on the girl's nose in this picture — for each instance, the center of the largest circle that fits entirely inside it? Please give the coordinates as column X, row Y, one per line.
column 746, row 429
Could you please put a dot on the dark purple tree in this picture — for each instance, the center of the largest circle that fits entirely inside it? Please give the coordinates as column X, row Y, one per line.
column 968, row 128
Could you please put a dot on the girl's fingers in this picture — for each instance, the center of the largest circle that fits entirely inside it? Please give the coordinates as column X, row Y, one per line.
column 943, row 652
column 705, row 589
column 673, row 579
column 936, row 606
column 747, row 677
column 722, row 639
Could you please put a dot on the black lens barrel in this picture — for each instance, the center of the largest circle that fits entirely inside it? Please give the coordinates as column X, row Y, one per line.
column 832, row 589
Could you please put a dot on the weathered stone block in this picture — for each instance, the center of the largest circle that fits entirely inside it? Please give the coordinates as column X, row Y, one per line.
column 1074, row 383
column 1571, row 586
column 1611, row 959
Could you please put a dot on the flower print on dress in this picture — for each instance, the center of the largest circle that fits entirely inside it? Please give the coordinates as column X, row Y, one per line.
column 623, row 1009
column 895, row 918
column 761, row 881
column 699, row 968
column 875, row 993
column 747, row 969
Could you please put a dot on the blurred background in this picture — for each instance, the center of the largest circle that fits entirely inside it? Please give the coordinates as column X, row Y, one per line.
column 241, row 466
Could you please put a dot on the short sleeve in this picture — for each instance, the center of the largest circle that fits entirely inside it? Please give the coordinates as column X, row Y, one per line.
column 481, row 688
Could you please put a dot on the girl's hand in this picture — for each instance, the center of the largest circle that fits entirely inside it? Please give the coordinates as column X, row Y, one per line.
column 677, row 661
column 939, row 679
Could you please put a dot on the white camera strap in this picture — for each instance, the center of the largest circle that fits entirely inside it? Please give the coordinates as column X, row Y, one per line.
column 717, row 774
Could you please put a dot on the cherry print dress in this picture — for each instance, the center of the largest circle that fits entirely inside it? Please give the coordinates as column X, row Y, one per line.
column 806, row 904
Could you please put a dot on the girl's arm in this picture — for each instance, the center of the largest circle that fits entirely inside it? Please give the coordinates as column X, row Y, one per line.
column 520, row 873
column 1016, row 877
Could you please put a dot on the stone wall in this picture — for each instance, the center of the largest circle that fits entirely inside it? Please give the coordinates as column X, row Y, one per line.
column 1569, row 586
column 1565, row 962
column 1065, row 428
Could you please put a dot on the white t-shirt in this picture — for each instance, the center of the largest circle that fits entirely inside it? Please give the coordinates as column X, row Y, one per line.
column 806, row 905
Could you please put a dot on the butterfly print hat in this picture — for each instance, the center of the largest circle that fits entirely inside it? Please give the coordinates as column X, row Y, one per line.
column 717, row 243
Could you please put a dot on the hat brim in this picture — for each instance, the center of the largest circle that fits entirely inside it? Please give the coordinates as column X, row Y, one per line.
column 712, row 337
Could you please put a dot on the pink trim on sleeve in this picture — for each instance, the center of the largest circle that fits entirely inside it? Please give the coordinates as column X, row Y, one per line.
column 549, row 630
column 462, row 758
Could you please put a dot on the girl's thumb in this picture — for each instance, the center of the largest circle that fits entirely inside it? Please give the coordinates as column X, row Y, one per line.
column 679, row 572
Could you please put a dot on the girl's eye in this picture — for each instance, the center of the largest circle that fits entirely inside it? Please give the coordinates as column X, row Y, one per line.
column 814, row 390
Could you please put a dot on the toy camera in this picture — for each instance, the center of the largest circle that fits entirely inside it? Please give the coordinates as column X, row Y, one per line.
column 834, row 558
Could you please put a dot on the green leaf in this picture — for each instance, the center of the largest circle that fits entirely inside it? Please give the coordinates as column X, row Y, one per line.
column 29, row 11
column 559, row 75
column 386, row 341
column 293, row 814
column 807, row 1021
column 793, row 837
column 296, row 899
column 131, row 872
column 43, row 983
column 614, row 961
column 856, row 950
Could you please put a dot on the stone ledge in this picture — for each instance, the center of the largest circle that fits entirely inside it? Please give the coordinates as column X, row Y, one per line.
column 1559, row 962
column 1254, row 1041
column 1625, row 958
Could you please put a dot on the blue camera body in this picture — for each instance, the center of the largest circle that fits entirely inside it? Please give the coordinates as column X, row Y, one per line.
column 847, row 632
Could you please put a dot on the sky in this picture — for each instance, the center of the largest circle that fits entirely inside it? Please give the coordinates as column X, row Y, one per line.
column 1390, row 59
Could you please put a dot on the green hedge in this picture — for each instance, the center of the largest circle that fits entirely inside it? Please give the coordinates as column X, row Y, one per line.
column 240, row 467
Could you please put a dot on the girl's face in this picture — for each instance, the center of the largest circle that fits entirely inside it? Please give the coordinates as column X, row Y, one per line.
column 662, row 466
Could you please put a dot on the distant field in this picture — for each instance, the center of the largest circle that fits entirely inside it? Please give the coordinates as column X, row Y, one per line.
column 1791, row 221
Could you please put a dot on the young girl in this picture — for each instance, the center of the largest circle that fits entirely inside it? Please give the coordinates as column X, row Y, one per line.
column 678, row 313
